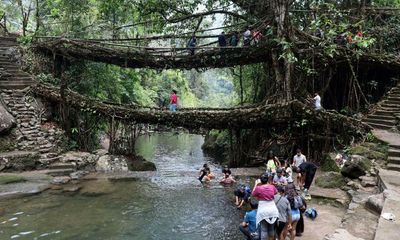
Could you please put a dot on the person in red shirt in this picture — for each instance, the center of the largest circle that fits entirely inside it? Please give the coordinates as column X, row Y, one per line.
column 173, row 101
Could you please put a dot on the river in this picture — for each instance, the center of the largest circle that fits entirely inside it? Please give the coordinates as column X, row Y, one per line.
column 171, row 205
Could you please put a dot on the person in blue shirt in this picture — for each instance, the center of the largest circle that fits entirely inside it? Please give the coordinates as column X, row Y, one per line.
column 249, row 226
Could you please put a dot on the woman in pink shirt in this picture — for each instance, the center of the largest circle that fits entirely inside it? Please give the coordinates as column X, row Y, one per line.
column 267, row 213
column 173, row 101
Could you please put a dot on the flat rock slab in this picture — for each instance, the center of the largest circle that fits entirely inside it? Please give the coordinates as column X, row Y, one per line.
column 15, row 190
column 389, row 137
column 329, row 193
column 342, row 234
column 247, row 172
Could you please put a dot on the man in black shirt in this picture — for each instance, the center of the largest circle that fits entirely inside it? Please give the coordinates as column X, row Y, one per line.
column 308, row 169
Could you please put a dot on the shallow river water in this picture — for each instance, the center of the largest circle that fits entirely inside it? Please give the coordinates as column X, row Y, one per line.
column 171, row 205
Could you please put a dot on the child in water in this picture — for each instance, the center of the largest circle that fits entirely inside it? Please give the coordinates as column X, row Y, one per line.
column 205, row 174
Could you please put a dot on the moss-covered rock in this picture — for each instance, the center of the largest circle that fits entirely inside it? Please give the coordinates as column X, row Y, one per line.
column 328, row 164
column 370, row 151
column 19, row 161
column 6, row 179
column 8, row 142
column 138, row 163
column 216, row 143
column 330, row 180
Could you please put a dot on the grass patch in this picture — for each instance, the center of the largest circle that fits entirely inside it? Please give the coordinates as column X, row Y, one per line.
column 6, row 179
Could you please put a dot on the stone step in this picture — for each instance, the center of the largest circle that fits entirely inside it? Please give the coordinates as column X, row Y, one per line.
column 380, row 121
column 16, row 85
column 393, row 106
column 394, row 146
column 394, row 167
column 60, row 172
column 390, row 109
column 394, row 160
column 379, row 126
column 62, row 165
column 394, row 97
column 382, row 112
column 394, row 153
column 382, row 117
column 16, row 75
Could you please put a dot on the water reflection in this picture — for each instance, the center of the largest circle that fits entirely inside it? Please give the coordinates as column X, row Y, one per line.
column 173, row 205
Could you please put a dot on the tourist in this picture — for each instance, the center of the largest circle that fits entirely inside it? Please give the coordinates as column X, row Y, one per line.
column 288, row 169
column 296, row 202
column 298, row 159
column 226, row 170
column 242, row 195
column 249, row 226
column 272, row 162
column 173, row 101
column 267, row 213
column 234, row 39
column 279, row 179
column 317, row 100
column 285, row 214
column 227, row 179
column 257, row 36
column 192, row 44
column 308, row 170
column 222, row 40
column 203, row 176
column 247, row 37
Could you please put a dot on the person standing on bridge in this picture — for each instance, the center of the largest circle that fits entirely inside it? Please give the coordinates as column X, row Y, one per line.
column 173, row 101
column 192, row 44
column 222, row 40
column 247, row 37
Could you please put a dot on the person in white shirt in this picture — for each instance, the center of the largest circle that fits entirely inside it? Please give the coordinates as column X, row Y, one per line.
column 298, row 159
column 247, row 37
column 317, row 100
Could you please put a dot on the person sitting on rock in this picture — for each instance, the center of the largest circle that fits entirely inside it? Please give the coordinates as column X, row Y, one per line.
column 279, row 179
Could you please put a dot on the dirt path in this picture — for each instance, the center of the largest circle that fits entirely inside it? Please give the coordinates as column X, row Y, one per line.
column 329, row 218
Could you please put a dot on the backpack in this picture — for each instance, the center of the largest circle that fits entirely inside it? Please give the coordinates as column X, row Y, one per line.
column 311, row 213
column 296, row 202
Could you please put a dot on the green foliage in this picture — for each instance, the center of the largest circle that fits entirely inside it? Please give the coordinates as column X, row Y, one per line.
column 24, row 40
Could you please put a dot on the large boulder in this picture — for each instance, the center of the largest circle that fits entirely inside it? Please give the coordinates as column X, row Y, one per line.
column 7, row 121
column 355, row 167
column 19, row 161
column 330, row 180
column 111, row 163
column 138, row 163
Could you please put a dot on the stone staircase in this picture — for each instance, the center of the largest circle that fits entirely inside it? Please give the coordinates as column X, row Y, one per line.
column 384, row 120
column 394, row 157
column 32, row 135
column 384, row 117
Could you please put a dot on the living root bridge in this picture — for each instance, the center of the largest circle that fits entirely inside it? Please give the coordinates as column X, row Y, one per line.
column 155, row 58
column 261, row 116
